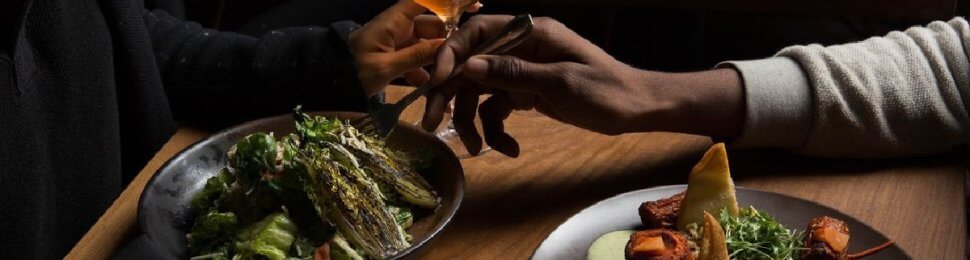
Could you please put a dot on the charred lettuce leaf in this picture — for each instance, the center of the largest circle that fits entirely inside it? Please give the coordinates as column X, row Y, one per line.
column 393, row 174
column 346, row 197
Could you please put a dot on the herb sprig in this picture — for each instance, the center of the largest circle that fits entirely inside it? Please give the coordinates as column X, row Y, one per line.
column 755, row 235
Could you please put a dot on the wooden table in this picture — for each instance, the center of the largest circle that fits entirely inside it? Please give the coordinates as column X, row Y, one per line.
column 512, row 204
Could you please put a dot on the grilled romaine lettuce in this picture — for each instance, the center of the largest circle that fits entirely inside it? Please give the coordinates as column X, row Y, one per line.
column 394, row 175
column 346, row 197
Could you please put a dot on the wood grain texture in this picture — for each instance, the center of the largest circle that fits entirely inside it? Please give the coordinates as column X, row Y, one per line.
column 512, row 204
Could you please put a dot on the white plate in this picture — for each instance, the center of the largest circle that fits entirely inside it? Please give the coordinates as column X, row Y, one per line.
column 572, row 238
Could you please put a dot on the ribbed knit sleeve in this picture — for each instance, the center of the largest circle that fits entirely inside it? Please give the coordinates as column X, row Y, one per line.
column 903, row 94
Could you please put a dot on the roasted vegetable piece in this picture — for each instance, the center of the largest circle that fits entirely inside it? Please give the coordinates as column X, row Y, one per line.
column 322, row 252
column 270, row 238
column 827, row 238
column 674, row 245
column 344, row 196
column 661, row 213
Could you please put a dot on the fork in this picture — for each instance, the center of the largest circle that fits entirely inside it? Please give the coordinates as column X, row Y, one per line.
column 383, row 117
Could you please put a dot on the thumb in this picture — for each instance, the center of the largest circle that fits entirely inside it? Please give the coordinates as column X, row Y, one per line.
column 511, row 73
column 415, row 56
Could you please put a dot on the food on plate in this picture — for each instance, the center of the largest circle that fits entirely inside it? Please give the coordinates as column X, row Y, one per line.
column 828, row 238
column 735, row 233
column 661, row 213
column 712, row 245
column 657, row 244
column 709, row 189
column 755, row 235
column 324, row 192
column 611, row 245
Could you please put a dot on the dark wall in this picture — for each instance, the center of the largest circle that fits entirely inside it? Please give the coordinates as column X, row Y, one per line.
column 659, row 39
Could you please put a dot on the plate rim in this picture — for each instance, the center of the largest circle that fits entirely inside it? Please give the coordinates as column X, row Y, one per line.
column 434, row 233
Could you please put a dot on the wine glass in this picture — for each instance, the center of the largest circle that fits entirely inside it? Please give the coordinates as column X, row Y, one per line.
column 450, row 11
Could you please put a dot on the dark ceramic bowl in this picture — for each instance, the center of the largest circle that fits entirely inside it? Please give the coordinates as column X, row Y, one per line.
column 164, row 214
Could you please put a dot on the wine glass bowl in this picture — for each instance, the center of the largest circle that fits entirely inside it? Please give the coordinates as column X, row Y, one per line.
column 449, row 11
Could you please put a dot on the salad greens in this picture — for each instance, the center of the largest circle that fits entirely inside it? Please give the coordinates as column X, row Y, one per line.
column 755, row 235
column 327, row 183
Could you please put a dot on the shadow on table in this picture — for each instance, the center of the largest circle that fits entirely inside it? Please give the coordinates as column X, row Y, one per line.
column 760, row 163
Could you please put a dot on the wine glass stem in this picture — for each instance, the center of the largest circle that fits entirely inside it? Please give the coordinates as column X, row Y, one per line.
column 450, row 28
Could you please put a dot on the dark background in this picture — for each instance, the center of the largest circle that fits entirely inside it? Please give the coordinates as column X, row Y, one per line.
column 648, row 38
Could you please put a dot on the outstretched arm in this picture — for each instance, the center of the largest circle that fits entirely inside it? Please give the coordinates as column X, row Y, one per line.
column 906, row 93
column 900, row 95
column 331, row 67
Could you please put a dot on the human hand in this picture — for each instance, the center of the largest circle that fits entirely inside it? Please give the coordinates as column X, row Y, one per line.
column 569, row 79
column 399, row 41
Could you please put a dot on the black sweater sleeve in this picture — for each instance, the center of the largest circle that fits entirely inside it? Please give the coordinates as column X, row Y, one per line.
column 209, row 74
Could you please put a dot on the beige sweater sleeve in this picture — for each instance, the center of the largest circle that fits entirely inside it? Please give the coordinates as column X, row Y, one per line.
column 906, row 93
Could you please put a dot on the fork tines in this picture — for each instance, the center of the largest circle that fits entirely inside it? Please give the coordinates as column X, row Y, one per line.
column 365, row 125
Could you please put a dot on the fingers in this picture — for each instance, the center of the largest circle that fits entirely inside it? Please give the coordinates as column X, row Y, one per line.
column 415, row 56
column 429, row 27
column 493, row 112
column 444, row 63
column 437, row 103
column 471, row 34
column 417, row 77
column 474, row 8
column 513, row 74
column 408, row 8
column 466, row 101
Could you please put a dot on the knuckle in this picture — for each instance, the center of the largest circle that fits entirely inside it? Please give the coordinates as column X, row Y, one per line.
column 479, row 20
column 510, row 67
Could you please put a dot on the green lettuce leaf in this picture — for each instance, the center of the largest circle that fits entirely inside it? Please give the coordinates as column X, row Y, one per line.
column 270, row 238
column 212, row 234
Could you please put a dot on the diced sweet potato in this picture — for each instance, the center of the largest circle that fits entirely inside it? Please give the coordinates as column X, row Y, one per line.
column 835, row 239
column 651, row 246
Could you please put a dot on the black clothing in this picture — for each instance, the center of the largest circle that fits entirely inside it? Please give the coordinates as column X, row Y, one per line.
column 88, row 90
